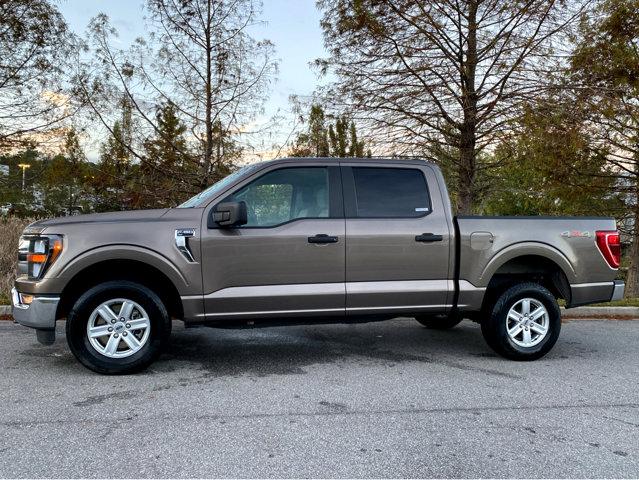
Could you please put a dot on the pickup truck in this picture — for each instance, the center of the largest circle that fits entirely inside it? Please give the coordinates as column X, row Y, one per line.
column 313, row 240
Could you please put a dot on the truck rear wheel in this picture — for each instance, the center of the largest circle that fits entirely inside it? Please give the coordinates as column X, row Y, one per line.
column 118, row 327
column 523, row 323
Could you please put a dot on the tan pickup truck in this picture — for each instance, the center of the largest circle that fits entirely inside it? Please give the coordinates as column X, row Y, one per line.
column 308, row 240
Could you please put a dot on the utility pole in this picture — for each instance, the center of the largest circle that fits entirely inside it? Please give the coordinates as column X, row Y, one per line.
column 24, row 167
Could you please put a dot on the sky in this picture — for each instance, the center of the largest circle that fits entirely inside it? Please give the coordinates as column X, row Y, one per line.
column 292, row 25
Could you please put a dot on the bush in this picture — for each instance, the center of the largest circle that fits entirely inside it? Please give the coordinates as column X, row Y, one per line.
column 10, row 230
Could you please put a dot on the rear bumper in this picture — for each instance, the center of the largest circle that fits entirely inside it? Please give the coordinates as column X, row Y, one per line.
column 40, row 313
column 618, row 290
column 585, row 293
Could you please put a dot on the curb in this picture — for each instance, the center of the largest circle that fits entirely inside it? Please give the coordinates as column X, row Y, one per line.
column 577, row 312
column 600, row 312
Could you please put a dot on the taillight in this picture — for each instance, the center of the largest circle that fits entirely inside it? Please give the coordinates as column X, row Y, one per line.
column 609, row 244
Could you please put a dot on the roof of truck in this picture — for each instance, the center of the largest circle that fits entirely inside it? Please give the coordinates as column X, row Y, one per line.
column 347, row 160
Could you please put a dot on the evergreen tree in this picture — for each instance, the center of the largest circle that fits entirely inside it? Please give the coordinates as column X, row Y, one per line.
column 339, row 139
column 162, row 173
column 356, row 147
column 115, row 169
column 64, row 180
column 606, row 67
column 552, row 166
column 72, row 149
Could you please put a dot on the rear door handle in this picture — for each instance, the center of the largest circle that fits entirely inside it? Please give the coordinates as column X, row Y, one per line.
column 428, row 237
column 322, row 238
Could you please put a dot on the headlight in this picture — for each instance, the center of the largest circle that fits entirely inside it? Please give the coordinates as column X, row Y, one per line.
column 41, row 252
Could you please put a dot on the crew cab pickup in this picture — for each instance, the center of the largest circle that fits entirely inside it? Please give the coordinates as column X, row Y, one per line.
column 309, row 240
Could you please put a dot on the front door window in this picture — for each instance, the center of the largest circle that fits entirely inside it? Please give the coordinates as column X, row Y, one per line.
column 284, row 195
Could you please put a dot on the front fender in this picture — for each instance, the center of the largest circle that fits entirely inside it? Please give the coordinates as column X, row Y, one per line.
column 56, row 280
column 124, row 252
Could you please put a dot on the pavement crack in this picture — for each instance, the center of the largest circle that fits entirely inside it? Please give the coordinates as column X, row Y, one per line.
column 325, row 413
column 622, row 421
column 97, row 399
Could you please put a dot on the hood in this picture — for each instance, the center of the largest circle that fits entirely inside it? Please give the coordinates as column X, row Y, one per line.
column 128, row 216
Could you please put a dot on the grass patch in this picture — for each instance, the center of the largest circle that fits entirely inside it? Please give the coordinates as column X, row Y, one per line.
column 626, row 302
column 11, row 229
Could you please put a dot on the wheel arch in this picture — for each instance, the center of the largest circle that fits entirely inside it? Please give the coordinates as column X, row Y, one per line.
column 120, row 268
column 528, row 249
column 552, row 271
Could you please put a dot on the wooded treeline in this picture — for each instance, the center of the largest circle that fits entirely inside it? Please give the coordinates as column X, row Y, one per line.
column 530, row 107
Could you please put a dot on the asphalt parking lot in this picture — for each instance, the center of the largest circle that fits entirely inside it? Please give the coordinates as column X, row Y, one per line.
column 388, row 399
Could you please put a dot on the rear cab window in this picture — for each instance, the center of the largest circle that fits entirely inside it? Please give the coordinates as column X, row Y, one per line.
column 388, row 192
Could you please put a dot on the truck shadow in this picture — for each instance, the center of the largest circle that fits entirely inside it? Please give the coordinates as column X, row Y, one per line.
column 289, row 350
column 294, row 350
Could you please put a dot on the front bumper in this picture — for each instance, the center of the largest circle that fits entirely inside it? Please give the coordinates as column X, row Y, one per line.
column 40, row 313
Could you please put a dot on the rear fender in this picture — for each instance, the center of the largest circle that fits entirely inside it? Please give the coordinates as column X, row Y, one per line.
column 526, row 249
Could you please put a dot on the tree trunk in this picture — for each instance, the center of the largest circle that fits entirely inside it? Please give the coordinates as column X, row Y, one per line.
column 208, row 147
column 632, row 280
column 466, row 173
column 468, row 130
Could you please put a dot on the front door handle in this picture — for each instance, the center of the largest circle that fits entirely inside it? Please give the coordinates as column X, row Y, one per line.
column 428, row 237
column 322, row 238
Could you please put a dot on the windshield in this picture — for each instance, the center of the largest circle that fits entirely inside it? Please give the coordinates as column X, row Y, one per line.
column 216, row 188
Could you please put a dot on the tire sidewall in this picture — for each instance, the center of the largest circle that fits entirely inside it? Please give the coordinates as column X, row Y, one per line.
column 495, row 329
column 76, row 327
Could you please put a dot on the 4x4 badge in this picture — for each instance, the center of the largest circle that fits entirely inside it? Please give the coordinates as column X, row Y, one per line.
column 575, row 234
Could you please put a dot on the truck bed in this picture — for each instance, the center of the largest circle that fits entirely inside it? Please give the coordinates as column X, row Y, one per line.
column 492, row 245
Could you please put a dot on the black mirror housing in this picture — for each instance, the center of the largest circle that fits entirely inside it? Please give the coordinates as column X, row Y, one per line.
column 228, row 215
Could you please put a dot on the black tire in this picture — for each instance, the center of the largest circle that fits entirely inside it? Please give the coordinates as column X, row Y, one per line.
column 441, row 322
column 494, row 324
column 76, row 328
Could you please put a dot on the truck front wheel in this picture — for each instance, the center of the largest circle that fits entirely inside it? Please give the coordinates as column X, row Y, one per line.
column 523, row 323
column 118, row 327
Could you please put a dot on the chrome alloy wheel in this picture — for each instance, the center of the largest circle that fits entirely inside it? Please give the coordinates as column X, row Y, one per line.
column 527, row 322
column 118, row 328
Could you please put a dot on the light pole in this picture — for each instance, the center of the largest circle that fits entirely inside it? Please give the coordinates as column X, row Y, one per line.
column 24, row 167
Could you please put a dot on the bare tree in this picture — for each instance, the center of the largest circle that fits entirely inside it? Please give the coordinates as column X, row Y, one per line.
column 617, row 122
column 605, row 66
column 443, row 77
column 34, row 42
column 198, row 56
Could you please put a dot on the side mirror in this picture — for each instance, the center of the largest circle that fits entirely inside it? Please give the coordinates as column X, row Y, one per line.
column 228, row 214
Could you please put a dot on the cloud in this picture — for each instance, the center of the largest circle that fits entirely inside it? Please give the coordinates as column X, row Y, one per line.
column 56, row 99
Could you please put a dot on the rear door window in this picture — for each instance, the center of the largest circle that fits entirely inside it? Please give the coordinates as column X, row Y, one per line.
column 390, row 192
